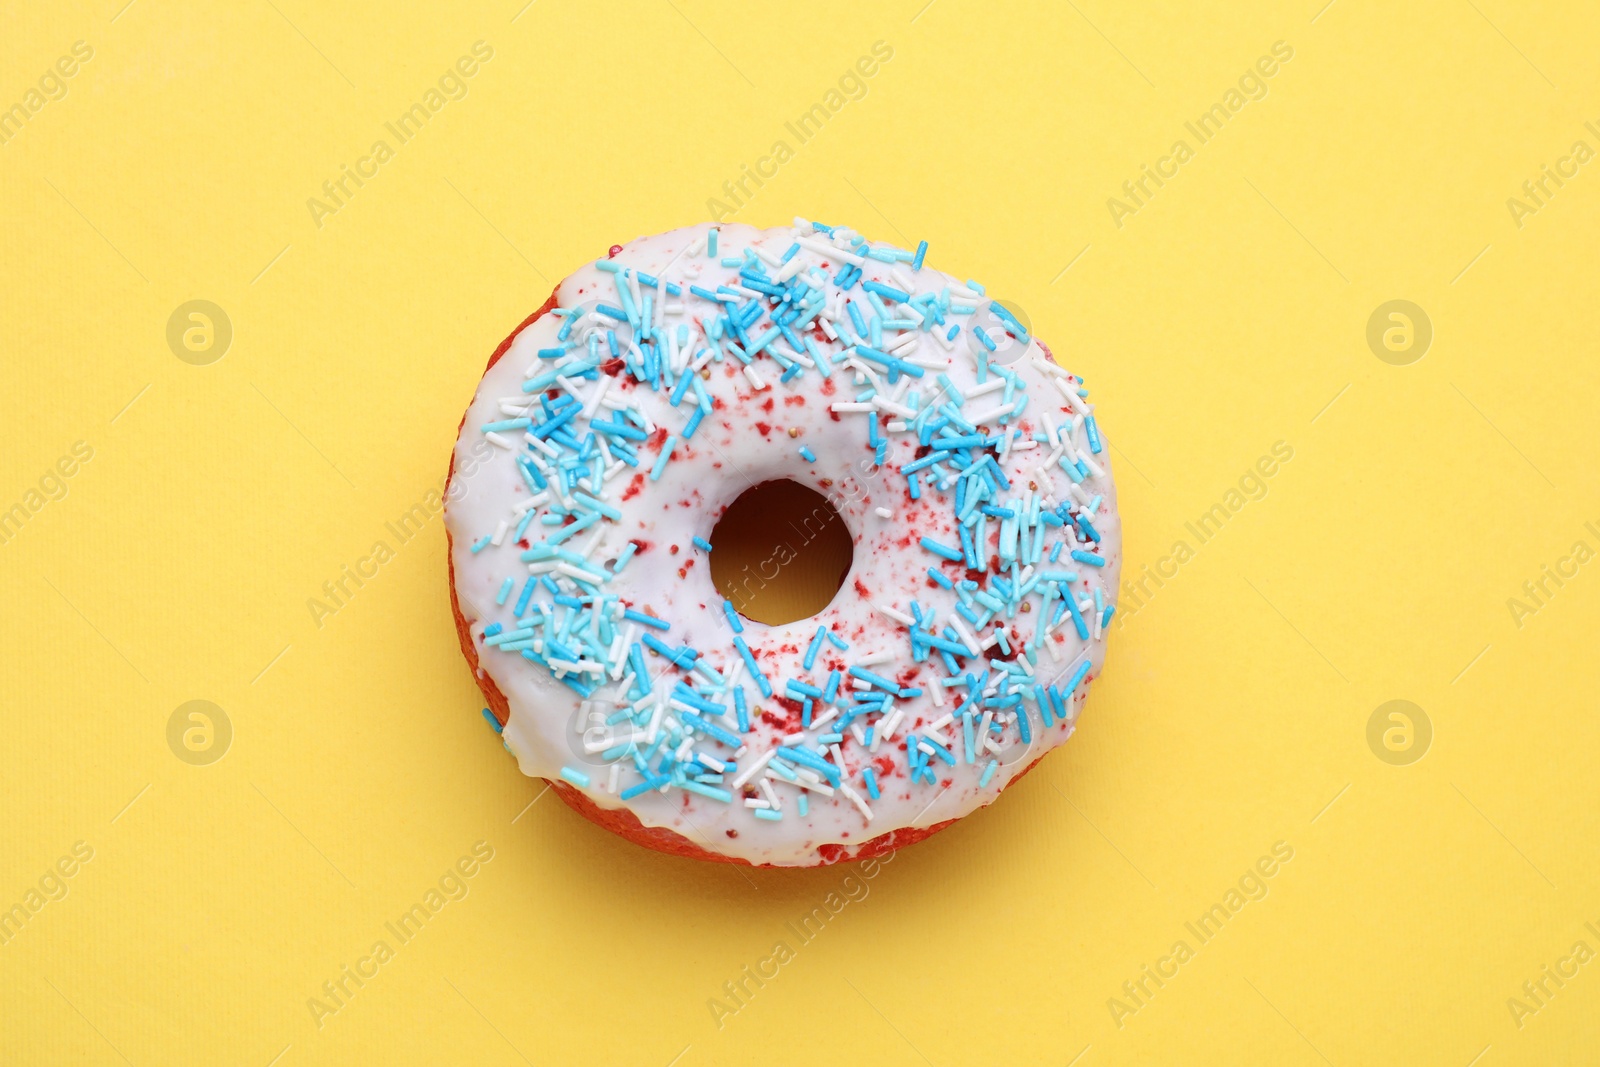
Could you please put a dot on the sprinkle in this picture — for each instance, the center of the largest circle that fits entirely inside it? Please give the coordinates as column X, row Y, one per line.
column 988, row 773
column 1089, row 558
column 661, row 460
column 505, row 591
column 576, row 777
column 807, row 454
column 494, row 723
column 702, row 544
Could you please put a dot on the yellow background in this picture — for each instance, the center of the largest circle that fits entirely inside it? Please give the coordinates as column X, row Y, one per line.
column 1229, row 313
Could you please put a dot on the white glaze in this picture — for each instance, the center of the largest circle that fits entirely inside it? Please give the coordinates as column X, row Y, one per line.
column 728, row 455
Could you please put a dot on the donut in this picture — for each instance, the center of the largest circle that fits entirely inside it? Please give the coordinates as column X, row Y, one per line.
column 661, row 384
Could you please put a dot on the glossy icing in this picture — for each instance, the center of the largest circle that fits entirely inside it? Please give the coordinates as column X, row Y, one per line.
column 754, row 432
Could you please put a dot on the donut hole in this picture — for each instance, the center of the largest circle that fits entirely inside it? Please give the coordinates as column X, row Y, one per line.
column 780, row 552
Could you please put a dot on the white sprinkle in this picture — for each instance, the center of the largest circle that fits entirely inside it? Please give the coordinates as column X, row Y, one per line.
column 830, row 251
column 582, row 666
column 766, row 791
column 755, row 379
column 898, row 616
column 843, row 407
column 543, row 446
column 757, row 802
column 537, row 500
column 965, row 635
column 882, row 513
column 578, row 572
column 595, row 397
column 499, row 537
column 855, row 798
column 907, row 340
column 501, row 441
column 750, row 771
column 993, row 385
column 611, row 785
column 807, row 780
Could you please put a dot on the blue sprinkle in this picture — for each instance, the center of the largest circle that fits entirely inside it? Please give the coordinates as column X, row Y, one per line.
column 810, row 456
column 1089, row 558
column 647, row 620
column 505, row 591
column 871, row 779
column 526, row 595
column 988, row 773
column 938, row 549
column 653, row 782
column 702, row 544
column 922, row 250
column 888, row 292
column 576, row 777
column 478, row 545
column 755, row 670
column 767, row 814
column 661, row 460
column 494, row 723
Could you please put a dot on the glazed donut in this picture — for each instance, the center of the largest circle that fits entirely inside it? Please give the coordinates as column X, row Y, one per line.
column 615, row 427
